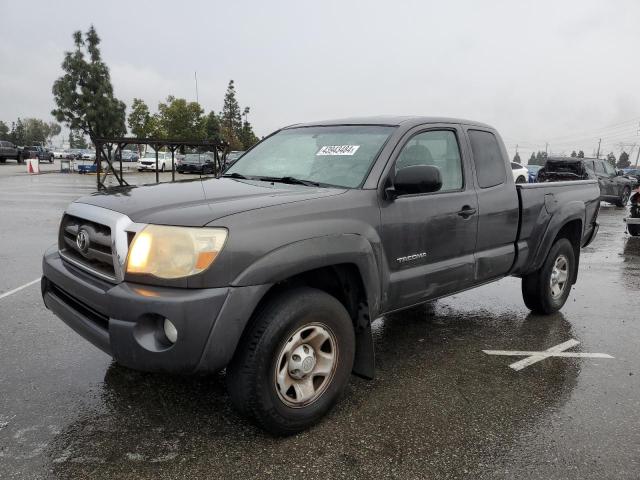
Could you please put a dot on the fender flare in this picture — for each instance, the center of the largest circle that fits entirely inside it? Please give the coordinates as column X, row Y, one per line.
column 560, row 216
column 309, row 254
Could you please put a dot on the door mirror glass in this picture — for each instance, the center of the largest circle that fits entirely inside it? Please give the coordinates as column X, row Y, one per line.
column 417, row 179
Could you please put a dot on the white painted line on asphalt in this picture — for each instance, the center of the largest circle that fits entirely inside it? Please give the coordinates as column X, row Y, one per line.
column 16, row 290
column 535, row 357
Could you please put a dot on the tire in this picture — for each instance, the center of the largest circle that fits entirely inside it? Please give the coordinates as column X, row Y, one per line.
column 162, row 168
column 521, row 179
column 537, row 290
column 3, row 160
column 634, row 230
column 624, row 198
column 266, row 349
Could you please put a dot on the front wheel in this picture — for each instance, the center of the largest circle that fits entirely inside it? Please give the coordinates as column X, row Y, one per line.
column 633, row 229
column 521, row 179
column 546, row 290
column 294, row 362
column 624, row 198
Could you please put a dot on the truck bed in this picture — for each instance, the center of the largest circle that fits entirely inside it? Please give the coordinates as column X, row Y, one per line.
column 540, row 204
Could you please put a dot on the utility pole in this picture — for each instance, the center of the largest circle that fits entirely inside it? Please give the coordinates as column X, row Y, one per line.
column 598, row 153
column 546, row 149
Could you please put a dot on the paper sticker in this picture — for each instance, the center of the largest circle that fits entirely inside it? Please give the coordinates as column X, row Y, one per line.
column 338, row 150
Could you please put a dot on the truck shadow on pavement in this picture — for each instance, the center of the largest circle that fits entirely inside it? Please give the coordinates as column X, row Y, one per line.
column 436, row 397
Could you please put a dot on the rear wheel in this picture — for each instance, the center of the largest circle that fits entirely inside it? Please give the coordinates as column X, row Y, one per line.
column 294, row 362
column 633, row 229
column 624, row 198
column 546, row 290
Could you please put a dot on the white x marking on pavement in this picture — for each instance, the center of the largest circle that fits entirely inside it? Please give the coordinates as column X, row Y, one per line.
column 534, row 357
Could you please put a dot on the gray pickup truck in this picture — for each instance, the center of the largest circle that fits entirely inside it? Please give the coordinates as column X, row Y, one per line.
column 276, row 269
column 9, row 151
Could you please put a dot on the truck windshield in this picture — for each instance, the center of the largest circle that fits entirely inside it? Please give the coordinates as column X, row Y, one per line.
column 333, row 155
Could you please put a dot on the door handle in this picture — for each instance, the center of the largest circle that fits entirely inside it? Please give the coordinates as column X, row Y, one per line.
column 467, row 211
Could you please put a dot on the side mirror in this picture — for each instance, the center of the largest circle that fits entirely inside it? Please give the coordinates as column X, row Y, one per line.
column 417, row 179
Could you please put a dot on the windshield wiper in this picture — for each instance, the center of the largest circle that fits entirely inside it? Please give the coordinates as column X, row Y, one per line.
column 234, row 175
column 290, row 180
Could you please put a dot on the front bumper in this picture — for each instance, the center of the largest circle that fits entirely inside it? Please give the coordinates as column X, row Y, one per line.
column 125, row 320
column 632, row 221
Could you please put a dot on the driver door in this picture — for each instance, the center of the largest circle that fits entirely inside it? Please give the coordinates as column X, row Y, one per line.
column 429, row 239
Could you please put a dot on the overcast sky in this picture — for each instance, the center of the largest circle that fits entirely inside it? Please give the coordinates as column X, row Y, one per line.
column 566, row 72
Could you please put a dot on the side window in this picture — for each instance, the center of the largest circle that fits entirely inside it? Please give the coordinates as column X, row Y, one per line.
column 609, row 168
column 490, row 167
column 600, row 167
column 438, row 148
column 515, row 166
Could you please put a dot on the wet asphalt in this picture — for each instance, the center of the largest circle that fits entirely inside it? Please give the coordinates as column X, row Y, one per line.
column 438, row 408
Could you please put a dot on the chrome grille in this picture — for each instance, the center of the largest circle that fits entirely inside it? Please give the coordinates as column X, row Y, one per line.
column 109, row 235
column 98, row 255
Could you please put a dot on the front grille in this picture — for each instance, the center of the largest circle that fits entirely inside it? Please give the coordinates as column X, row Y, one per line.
column 97, row 256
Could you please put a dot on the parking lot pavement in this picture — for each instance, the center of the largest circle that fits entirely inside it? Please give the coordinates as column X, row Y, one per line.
column 439, row 407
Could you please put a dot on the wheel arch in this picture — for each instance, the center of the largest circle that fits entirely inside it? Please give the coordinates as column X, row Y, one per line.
column 343, row 266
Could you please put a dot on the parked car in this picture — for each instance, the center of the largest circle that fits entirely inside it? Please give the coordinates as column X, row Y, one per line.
column 39, row 152
column 633, row 220
column 202, row 163
column 232, row 157
column 614, row 187
column 533, row 172
column 9, row 151
column 128, row 156
column 520, row 173
column 88, row 154
column 148, row 161
column 632, row 172
column 74, row 154
column 276, row 269
column 59, row 153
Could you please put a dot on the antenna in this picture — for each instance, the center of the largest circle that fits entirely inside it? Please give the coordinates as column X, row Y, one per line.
column 195, row 76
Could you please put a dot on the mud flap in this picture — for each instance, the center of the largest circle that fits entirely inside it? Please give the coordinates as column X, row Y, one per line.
column 364, row 364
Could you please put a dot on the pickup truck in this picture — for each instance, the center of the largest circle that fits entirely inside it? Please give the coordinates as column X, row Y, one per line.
column 9, row 151
column 276, row 269
column 39, row 152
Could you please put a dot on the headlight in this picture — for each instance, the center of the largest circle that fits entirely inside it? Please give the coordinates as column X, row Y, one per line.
column 174, row 252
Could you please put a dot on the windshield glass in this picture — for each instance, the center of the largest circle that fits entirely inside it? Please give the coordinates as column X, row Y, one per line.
column 151, row 154
column 335, row 155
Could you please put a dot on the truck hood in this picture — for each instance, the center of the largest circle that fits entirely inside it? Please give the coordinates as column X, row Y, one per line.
column 198, row 202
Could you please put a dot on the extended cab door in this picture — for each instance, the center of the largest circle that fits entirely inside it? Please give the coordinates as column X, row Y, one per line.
column 429, row 239
column 498, row 205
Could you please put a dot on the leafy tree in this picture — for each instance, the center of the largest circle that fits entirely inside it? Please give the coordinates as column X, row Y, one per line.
column 84, row 94
column 54, row 130
column 36, row 131
column 18, row 133
column 623, row 160
column 77, row 140
column 247, row 137
column 574, row 154
column 611, row 158
column 212, row 128
column 140, row 120
column 4, row 130
column 181, row 120
column 580, row 154
column 231, row 115
column 516, row 158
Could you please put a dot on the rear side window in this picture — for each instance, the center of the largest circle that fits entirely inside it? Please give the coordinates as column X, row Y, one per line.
column 600, row 167
column 490, row 167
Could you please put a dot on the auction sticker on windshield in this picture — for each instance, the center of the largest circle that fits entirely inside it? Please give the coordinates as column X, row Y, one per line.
column 338, row 150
